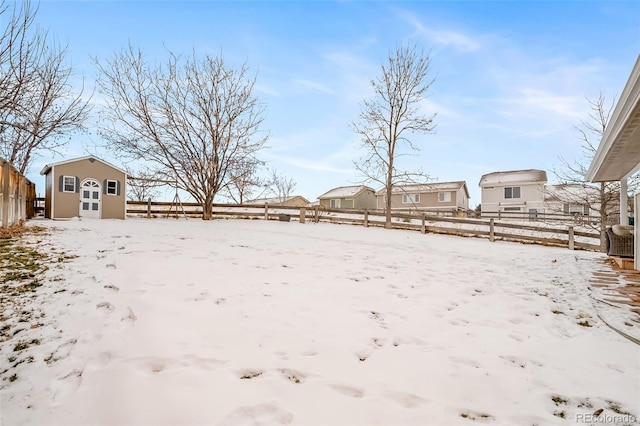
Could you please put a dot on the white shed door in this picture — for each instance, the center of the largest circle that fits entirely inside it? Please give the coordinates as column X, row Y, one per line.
column 90, row 199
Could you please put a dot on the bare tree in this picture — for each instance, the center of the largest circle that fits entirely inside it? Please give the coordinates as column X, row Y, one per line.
column 244, row 182
column 281, row 186
column 38, row 107
column 386, row 121
column 603, row 197
column 195, row 119
column 143, row 184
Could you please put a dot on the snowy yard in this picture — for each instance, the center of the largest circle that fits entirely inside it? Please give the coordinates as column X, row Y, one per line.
column 231, row 322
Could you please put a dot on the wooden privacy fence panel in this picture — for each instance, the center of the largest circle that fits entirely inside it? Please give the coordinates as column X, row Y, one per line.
column 17, row 195
column 562, row 236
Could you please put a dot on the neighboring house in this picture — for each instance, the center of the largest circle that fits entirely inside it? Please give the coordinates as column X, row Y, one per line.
column 86, row 187
column 573, row 199
column 292, row 201
column 444, row 196
column 513, row 191
column 349, row 197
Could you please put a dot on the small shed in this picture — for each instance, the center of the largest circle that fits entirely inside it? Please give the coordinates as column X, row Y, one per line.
column 291, row 201
column 86, row 187
column 349, row 197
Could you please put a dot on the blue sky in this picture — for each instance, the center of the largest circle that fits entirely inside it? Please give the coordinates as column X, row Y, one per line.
column 511, row 77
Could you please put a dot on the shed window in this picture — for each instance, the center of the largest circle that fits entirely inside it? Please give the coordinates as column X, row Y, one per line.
column 335, row 204
column 69, row 184
column 410, row 198
column 112, row 187
column 444, row 197
column 512, row 192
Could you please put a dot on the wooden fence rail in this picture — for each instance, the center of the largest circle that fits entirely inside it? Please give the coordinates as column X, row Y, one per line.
column 562, row 236
column 17, row 195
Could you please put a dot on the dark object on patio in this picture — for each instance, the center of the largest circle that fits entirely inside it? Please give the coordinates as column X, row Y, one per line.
column 617, row 245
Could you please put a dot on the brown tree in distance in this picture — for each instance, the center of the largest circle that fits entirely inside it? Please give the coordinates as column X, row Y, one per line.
column 143, row 184
column 195, row 120
column 38, row 107
column 244, row 182
column 388, row 119
column 281, row 186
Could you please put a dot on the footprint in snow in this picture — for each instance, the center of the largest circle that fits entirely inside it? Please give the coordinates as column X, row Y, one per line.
column 267, row 414
column 66, row 384
column 129, row 317
column 248, row 374
column 348, row 390
column 407, row 400
column 293, row 376
column 106, row 306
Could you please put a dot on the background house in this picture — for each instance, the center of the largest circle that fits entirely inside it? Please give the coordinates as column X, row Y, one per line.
column 86, row 187
column 573, row 199
column 292, row 201
column 349, row 197
column 513, row 191
column 443, row 196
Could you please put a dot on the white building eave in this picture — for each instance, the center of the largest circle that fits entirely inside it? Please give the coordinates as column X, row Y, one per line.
column 618, row 154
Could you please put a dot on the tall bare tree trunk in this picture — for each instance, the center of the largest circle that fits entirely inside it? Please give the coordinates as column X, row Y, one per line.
column 207, row 208
column 389, row 186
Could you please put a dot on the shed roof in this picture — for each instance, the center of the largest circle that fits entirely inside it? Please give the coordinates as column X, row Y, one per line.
column 514, row 176
column 48, row 167
column 276, row 200
column 346, row 191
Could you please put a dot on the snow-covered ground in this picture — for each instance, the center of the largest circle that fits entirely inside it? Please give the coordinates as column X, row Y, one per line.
column 180, row 322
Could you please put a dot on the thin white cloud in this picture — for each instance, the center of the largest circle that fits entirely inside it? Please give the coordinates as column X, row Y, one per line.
column 311, row 85
column 541, row 100
column 445, row 37
column 266, row 90
column 307, row 164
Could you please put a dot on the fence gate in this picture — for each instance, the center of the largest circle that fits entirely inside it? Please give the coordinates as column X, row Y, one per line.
column 17, row 195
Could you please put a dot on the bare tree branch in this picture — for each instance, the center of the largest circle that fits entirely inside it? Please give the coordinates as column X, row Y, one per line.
column 281, row 186
column 37, row 105
column 603, row 197
column 388, row 119
column 142, row 184
column 195, row 119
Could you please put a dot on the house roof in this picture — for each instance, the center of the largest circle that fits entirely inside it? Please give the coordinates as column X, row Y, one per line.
column 618, row 154
column 570, row 192
column 345, row 191
column 48, row 167
column 276, row 200
column 513, row 176
column 427, row 187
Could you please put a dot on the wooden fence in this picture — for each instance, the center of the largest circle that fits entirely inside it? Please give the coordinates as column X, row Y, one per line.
column 570, row 236
column 17, row 195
